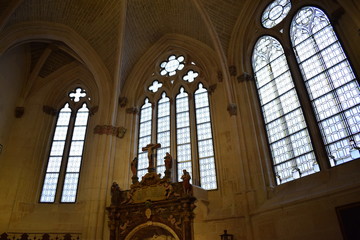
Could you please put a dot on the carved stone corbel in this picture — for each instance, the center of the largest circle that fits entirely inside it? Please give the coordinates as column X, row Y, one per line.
column 232, row 109
column 93, row 110
column 212, row 88
column 232, row 70
column 245, row 77
column 123, row 101
column 121, row 132
column 49, row 110
column 110, row 130
column 132, row 110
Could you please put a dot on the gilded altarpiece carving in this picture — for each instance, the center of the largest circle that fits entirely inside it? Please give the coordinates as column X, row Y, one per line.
column 153, row 208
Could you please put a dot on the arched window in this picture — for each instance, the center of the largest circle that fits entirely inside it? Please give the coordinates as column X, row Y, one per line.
column 331, row 84
column 287, row 131
column 144, row 138
column 183, row 136
column 332, row 91
column 179, row 121
column 64, row 162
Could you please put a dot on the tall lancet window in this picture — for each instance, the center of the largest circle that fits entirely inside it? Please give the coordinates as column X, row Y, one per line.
column 145, row 130
column 205, row 139
column 331, row 84
column 65, row 157
column 287, row 131
column 183, row 137
column 163, row 130
column 176, row 114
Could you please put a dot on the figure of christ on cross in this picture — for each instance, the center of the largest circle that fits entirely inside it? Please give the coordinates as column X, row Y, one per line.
column 151, row 155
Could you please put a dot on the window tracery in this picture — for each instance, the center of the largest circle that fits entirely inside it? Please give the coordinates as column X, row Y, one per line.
column 331, row 83
column 287, row 131
column 275, row 12
column 65, row 157
column 170, row 115
column 331, row 88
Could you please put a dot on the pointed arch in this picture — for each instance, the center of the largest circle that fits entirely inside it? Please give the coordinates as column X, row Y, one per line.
column 205, row 142
column 65, row 156
column 171, row 87
column 144, row 135
column 331, row 84
column 287, row 131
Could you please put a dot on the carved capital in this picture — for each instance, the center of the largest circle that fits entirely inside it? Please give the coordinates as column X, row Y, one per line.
column 232, row 70
column 245, row 77
column 110, row 130
column 212, row 88
column 49, row 110
column 19, row 112
column 121, row 132
column 94, row 110
column 123, row 101
column 232, row 109
column 132, row 110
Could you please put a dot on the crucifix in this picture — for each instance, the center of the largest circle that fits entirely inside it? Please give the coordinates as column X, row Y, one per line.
column 151, row 155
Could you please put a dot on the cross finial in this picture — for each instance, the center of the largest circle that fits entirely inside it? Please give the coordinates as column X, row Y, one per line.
column 151, row 155
column 77, row 94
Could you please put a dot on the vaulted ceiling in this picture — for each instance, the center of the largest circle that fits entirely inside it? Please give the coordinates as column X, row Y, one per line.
column 132, row 25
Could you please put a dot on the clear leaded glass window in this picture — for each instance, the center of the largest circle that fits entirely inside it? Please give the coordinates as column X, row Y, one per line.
column 275, row 12
column 163, row 130
column 287, row 131
column 172, row 65
column 330, row 81
column 75, row 155
column 145, row 129
column 64, row 162
column 180, row 122
column 205, row 139
column 56, row 155
column 183, row 137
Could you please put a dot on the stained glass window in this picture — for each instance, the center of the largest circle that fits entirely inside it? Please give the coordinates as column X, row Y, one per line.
column 275, row 12
column 287, row 131
column 63, row 167
column 330, row 82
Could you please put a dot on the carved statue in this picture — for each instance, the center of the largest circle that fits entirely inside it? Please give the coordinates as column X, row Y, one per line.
column 151, row 156
column 168, row 161
column 169, row 190
column 168, row 165
column 186, row 182
column 115, row 194
column 134, row 165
